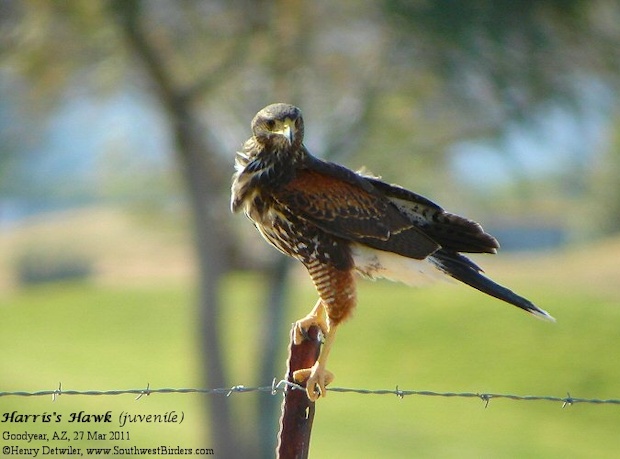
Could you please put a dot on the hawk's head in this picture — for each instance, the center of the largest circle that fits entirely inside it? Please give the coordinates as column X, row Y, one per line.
column 279, row 127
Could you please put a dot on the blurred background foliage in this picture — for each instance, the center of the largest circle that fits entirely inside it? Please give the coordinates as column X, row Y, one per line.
column 119, row 120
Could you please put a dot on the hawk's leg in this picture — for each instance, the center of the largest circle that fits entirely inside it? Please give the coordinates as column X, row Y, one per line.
column 318, row 376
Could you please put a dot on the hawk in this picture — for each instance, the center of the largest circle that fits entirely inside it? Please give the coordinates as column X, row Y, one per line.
column 338, row 223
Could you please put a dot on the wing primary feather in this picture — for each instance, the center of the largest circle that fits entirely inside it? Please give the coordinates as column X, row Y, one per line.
column 450, row 231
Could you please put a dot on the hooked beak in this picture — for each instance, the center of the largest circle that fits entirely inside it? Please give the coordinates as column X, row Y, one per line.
column 287, row 132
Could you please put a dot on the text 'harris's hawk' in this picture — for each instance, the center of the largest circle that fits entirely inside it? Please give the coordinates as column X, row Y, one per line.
column 338, row 222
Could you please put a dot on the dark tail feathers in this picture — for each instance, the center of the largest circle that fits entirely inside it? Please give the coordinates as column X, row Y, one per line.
column 463, row 269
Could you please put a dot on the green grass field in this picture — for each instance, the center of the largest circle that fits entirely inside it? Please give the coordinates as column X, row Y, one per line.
column 442, row 339
column 105, row 335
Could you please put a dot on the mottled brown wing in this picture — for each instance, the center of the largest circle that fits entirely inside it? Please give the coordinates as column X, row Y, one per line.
column 451, row 231
column 347, row 207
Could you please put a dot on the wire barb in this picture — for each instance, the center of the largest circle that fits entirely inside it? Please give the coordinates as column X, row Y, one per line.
column 57, row 392
column 568, row 401
column 239, row 388
column 274, row 386
column 146, row 392
column 486, row 398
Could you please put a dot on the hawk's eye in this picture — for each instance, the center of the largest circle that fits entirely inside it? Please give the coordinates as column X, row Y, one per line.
column 270, row 124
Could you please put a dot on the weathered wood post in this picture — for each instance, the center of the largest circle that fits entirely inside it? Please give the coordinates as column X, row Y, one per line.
column 297, row 409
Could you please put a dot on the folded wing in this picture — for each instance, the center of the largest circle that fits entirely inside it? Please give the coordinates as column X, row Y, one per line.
column 383, row 216
column 342, row 203
column 450, row 231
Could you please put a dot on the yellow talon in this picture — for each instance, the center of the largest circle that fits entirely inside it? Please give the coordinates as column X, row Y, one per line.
column 316, row 379
column 315, row 317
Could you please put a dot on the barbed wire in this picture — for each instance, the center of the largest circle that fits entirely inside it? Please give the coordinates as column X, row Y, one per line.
column 280, row 386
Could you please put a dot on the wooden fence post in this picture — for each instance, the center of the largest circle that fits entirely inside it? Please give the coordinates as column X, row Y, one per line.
column 297, row 409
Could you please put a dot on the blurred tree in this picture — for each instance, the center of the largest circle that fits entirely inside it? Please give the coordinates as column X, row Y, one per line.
column 60, row 45
column 201, row 168
column 507, row 64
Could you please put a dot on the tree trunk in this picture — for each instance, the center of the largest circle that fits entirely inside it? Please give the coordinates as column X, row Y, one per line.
column 210, row 253
column 202, row 180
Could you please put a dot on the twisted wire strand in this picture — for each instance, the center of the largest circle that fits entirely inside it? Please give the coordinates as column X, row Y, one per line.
column 283, row 385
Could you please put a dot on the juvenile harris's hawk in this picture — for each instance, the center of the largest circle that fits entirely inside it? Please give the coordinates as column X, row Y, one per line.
column 338, row 222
